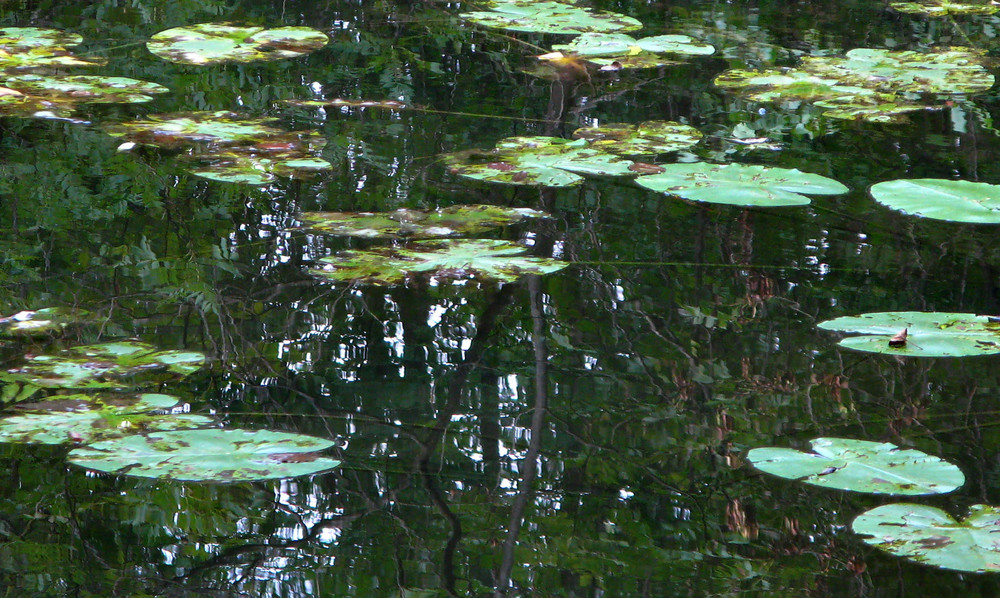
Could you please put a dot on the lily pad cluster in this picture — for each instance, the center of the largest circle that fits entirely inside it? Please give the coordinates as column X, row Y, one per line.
column 943, row 8
column 919, row 334
column 867, row 84
column 227, row 147
column 612, row 51
column 416, row 224
column 561, row 18
column 923, row 534
column 214, row 43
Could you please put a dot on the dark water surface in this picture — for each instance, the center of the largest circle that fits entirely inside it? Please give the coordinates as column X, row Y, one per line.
column 580, row 434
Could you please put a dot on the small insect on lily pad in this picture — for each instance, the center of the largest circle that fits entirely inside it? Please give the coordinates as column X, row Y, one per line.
column 930, row 536
column 416, row 224
column 85, row 418
column 740, row 185
column 619, row 50
column 550, row 17
column 860, row 466
column 121, row 364
column 212, row 43
column 452, row 259
column 941, row 199
column 943, row 8
column 211, row 455
column 644, row 139
column 48, row 321
column 538, row 161
column 928, row 334
column 33, row 47
column 85, row 89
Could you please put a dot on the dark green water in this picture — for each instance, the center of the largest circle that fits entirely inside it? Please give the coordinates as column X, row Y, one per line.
column 583, row 433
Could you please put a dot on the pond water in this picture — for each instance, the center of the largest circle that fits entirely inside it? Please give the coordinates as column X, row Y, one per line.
column 581, row 433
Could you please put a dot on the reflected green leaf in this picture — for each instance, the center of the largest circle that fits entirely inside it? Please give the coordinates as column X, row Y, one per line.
column 213, row 43
column 416, row 224
column 860, row 466
column 550, row 17
column 648, row 138
column 208, row 455
column 929, row 334
column 956, row 201
column 32, row 47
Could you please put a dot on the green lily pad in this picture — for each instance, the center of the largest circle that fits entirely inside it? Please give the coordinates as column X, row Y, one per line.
column 538, row 161
column 342, row 103
column 455, row 259
column 740, row 185
column 942, row 8
column 550, row 17
column 48, row 321
column 85, row 89
column 211, row 43
column 860, row 466
column 930, row 536
column 181, row 130
column 623, row 51
column 86, row 418
column 208, row 455
column 928, row 334
column 648, row 138
column 108, row 365
column 416, row 224
column 956, row 201
column 32, row 47
column 253, row 166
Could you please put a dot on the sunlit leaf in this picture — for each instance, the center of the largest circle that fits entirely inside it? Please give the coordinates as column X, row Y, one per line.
column 550, row 17
column 32, row 47
column 860, row 466
column 941, row 8
column 941, row 199
column 48, row 321
column 208, row 455
column 624, row 51
column 344, row 103
column 85, row 89
column 929, row 334
column 651, row 137
column 212, row 43
column 253, row 166
column 416, row 224
column 222, row 128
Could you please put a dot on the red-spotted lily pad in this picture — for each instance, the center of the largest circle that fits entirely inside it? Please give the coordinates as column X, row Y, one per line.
column 550, row 17
column 212, row 43
column 33, row 47
column 208, row 455
column 416, row 224
column 48, row 321
column 618, row 50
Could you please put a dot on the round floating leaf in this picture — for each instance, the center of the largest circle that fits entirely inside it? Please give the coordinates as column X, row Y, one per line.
column 246, row 166
column 651, row 137
column 957, row 201
column 108, row 365
column 550, row 17
column 738, row 184
column 942, row 8
column 928, row 334
column 931, row 536
column 48, row 321
column 342, row 103
column 538, row 161
column 860, row 466
column 212, row 128
column 208, row 43
column 457, row 259
column 85, row 89
column 208, row 455
column 624, row 51
column 31, row 47
column 416, row 224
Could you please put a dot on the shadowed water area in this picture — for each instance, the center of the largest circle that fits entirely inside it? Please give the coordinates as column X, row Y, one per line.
column 582, row 432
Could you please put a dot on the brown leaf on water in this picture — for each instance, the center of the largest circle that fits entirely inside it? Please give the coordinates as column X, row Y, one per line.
column 500, row 166
column 644, row 168
column 519, row 176
column 899, row 340
column 293, row 457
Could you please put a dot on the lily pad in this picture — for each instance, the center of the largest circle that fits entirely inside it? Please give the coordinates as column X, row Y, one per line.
column 942, row 8
column 108, row 365
column 623, row 51
column 85, row 89
column 538, row 161
column 928, row 334
column 550, row 17
column 85, row 418
column 212, row 43
column 456, row 259
column 256, row 166
column 32, row 47
column 48, row 321
column 956, row 201
column 208, row 455
column 343, row 103
column 740, row 185
column 860, row 466
column 648, row 138
column 930, row 536
column 181, row 130
column 416, row 224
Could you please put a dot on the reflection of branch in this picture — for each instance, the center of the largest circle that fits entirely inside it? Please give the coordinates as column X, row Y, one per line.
column 524, row 489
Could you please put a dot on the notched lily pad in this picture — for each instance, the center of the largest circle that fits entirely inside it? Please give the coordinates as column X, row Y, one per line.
column 108, row 365
column 740, row 185
column 452, row 259
column 33, row 47
column 550, row 17
column 85, row 418
column 943, row 8
column 860, row 466
column 648, row 138
column 619, row 50
column 416, row 224
column 538, row 161
column 928, row 334
column 930, row 536
column 941, row 199
column 85, row 89
column 48, row 321
column 212, row 43
column 208, row 455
